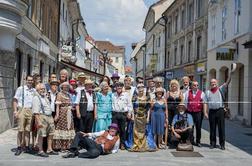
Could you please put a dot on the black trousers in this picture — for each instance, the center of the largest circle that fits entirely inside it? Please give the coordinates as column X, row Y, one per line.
column 120, row 119
column 216, row 118
column 86, row 122
column 93, row 149
column 185, row 136
column 197, row 120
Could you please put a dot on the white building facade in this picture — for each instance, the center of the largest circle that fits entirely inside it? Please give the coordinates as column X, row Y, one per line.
column 230, row 27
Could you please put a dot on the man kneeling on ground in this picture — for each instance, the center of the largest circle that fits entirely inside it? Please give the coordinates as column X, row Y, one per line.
column 181, row 126
column 98, row 143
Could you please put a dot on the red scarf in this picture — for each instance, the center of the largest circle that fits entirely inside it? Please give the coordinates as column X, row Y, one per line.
column 213, row 90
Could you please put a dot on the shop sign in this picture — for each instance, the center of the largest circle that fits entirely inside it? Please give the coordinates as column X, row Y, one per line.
column 201, row 67
column 189, row 70
column 66, row 51
column 169, row 75
column 225, row 54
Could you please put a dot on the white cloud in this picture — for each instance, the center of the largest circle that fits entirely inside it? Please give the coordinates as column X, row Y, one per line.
column 121, row 21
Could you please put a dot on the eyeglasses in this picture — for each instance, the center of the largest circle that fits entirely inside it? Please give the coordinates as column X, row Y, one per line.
column 195, row 85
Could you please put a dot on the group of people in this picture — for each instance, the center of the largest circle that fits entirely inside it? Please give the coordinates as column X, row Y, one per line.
column 66, row 115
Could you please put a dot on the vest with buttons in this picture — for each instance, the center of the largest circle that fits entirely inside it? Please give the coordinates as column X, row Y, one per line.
column 194, row 103
column 84, row 102
column 108, row 144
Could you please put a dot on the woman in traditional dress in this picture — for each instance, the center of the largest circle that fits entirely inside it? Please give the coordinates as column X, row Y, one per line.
column 104, row 108
column 159, row 117
column 64, row 126
column 142, row 139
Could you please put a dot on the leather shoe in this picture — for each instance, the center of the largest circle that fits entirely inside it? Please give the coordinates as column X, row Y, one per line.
column 70, row 155
column 52, row 153
column 18, row 151
column 42, row 154
column 122, row 147
column 222, row 147
column 212, row 146
column 198, row 144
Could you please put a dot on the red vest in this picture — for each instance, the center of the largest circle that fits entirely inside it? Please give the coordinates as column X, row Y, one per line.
column 194, row 103
column 108, row 144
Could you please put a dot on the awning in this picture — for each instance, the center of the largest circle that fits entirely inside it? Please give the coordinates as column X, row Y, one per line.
column 80, row 69
column 247, row 44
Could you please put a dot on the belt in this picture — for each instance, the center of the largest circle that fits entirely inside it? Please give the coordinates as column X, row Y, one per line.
column 90, row 111
column 24, row 107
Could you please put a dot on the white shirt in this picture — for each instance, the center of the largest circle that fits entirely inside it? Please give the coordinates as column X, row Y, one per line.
column 90, row 104
column 121, row 103
column 41, row 105
column 78, row 90
column 53, row 97
column 28, row 95
column 109, row 137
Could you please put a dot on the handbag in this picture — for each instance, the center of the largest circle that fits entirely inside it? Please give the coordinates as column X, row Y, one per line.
column 185, row 147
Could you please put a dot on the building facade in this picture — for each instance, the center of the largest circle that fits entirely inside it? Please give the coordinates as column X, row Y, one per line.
column 187, row 40
column 28, row 45
column 137, row 58
column 154, row 27
column 230, row 27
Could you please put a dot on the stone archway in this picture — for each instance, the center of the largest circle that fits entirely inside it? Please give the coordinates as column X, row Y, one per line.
column 212, row 74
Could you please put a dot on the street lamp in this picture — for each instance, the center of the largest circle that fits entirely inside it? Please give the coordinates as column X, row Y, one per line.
column 104, row 54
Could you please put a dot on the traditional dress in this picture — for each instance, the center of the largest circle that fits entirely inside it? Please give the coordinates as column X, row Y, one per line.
column 158, row 118
column 104, row 111
column 172, row 103
column 64, row 127
column 140, row 134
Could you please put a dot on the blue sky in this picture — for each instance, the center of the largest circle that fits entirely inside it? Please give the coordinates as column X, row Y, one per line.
column 119, row 21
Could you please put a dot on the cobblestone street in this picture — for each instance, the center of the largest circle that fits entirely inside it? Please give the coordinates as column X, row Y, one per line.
column 238, row 152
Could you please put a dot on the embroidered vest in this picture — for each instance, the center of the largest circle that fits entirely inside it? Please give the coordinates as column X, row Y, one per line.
column 84, row 102
column 108, row 144
column 194, row 103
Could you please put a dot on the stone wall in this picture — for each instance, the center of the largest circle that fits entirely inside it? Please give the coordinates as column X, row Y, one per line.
column 7, row 62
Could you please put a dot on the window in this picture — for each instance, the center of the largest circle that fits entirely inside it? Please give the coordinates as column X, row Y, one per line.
column 169, row 29
column 41, row 69
column 183, row 19
column 237, row 15
column 168, row 60
column 49, row 70
column 176, row 24
column 158, row 41
column 181, row 54
column 63, row 12
column 213, row 19
column 199, row 8
column 41, row 16
column 224, row 18
column 190, row 13
column 66, row 17
column 198, row 47
column 29, row 65
column 29, row 10
column 117, row 60
column 175, row 56
column 189, row 51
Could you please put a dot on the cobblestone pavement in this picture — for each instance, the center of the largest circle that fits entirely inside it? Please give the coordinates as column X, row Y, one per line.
column 238, row 152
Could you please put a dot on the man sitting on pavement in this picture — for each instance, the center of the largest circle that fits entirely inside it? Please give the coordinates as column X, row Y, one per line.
column 181, row 126
column 98, row 143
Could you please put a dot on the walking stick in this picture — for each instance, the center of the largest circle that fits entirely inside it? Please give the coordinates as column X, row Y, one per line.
column 166, row 134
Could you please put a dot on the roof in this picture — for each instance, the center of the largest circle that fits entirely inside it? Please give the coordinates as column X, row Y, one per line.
column 158, row 8
column 111, row 48
column 137, row 48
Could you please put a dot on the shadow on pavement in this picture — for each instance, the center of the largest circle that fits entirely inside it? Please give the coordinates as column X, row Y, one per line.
column 236, row 134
